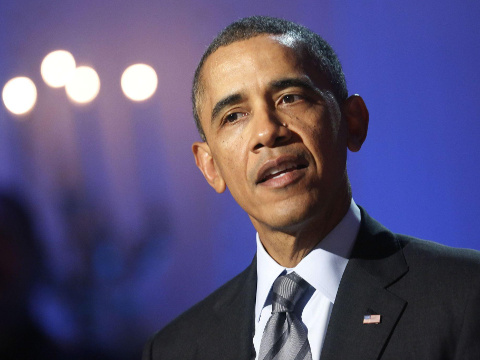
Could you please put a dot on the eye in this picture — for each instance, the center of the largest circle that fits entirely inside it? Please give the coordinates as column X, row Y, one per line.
column 234, row 117
column 290, row 98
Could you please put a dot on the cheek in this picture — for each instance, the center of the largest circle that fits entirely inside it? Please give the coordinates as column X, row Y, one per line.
column 232, row 143
column 230, row 164
column 230, row 138
column 321, row 137
column 313, row 128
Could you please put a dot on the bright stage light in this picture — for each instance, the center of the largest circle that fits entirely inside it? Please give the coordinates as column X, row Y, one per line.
column 19, row 95
column 57, row 68
column 84, row 85
column 139, row 82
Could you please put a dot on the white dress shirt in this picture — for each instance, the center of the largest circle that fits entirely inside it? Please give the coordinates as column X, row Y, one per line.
column 322, row 268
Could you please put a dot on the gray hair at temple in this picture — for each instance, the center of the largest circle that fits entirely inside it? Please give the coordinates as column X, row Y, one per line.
column 316, row 47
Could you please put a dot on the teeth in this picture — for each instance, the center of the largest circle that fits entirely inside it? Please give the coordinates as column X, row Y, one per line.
column 279, row 175
column 284, row 167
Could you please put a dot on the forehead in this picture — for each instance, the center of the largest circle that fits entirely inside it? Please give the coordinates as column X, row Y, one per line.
column 247, row 65
column 249, row 55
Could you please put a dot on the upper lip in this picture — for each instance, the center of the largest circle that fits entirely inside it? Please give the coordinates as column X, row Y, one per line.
column 278, row 165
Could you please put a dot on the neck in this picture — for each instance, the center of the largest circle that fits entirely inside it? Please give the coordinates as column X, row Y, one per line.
column 288, row 246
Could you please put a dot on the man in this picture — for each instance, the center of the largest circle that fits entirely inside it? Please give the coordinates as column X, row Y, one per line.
column 328, row 282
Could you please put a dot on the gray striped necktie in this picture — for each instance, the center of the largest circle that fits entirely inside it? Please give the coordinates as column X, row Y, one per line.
column 285, row 336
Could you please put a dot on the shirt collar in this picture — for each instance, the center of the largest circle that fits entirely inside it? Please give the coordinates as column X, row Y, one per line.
column 322, row 268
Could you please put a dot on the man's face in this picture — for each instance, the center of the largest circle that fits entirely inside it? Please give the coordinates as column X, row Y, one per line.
column 275, row 135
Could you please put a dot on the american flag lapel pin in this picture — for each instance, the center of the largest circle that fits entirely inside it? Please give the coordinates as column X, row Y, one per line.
column 372, row 319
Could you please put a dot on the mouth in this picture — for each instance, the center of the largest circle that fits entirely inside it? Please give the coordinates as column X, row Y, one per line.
column 280, row 167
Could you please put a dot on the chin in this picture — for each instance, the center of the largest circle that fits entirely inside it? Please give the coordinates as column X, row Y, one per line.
column 287, row 217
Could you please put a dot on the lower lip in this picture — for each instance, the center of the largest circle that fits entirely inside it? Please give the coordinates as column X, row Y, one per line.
column 284, row 179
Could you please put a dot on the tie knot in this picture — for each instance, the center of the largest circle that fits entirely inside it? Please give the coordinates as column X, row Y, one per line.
column 287, row 290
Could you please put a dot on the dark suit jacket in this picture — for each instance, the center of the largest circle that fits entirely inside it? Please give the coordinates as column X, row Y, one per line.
column 428, row 296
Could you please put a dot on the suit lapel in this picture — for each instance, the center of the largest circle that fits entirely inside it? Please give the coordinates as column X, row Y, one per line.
column 377, row 261
column 233, row 325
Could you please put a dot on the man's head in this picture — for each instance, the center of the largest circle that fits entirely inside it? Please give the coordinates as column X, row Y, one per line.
column 277, row 128
column 316, row 48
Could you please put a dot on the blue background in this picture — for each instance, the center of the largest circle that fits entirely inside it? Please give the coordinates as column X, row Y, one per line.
column 132, row 232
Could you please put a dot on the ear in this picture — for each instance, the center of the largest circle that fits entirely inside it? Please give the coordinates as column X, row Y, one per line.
column 355, row 113
column 206, row 164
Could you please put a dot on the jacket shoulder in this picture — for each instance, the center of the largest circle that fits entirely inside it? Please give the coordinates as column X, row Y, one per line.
column 419, row 254
column 178, row 339
column 442, row 258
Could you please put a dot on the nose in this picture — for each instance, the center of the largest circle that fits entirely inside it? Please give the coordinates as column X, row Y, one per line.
column 268, row 130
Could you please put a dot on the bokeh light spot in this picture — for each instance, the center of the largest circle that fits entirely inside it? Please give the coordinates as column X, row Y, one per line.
column 139, row 82
column 57, row 68
column 84, row 85
column 19, row 95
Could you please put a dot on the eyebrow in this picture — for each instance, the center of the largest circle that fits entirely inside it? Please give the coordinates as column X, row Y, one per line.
column 279, row 84
column 223, row 103
column 303, row 82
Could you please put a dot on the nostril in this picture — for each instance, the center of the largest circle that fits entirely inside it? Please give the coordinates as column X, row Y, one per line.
column 258, row 147
column 268, row 131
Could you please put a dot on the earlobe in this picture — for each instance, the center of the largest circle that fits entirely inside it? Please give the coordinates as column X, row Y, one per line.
column 356, row 115
column 206, row 164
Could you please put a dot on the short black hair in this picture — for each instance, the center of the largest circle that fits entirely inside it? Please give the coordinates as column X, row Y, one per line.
column 316, row 47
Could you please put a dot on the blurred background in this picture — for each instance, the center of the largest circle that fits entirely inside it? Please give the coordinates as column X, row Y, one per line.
column 107, row 229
